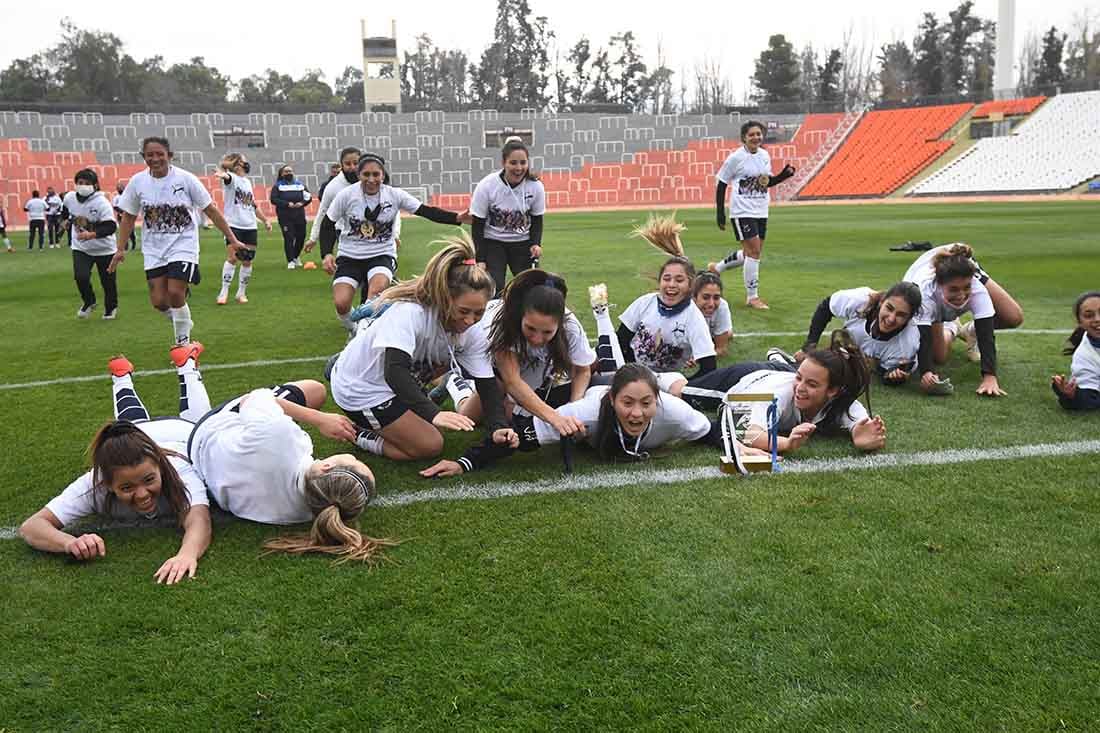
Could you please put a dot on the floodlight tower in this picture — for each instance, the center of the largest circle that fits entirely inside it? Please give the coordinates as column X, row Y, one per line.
column 1004, row 82
column 381, row 83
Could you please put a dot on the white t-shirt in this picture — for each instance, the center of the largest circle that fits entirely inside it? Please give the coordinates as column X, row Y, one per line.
column 741, row 172
column 169, row 208
column 358, row 376
column 667, row 343
column 84, row 217
column 721, row 320
column 367, row 223
column 933, row 308
column 1085, row 365
column 53, row 204
column 254, row 461
column 537, row 369
column 899, row 349
column 240, row 204
column 507, row 211
column 781, row 384
column 334, row 187
column 36, row 210
column 80, row 499
column 674, row 421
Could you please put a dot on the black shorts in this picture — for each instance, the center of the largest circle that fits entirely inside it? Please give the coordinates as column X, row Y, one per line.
column 746, row 228
column 378, row 417
column 186, row 271
column 358, row 273
column 249, row 237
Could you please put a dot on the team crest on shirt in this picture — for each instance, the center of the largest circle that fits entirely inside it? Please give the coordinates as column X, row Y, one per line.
column 243, row 198
column 661, row 356
column 508, row 220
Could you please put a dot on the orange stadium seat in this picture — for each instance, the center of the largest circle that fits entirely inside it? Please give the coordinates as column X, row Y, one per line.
column 1009, row 107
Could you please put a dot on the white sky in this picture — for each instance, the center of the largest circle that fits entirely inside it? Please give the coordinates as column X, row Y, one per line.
column 243, row 39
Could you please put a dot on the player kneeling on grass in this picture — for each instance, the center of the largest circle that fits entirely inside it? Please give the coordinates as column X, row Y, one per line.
column 421, row 328
column 241, row 214
column 951, row 283
column 879, row 323
column 1082, row 390
column 819, row 395
column 139, row 472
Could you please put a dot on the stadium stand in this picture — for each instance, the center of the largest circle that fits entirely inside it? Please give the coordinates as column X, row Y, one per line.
column 1007, row 107
column 1055, row 149
column 886, row 149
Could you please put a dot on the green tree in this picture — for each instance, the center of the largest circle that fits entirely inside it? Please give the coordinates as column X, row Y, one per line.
column 1083, row 51
column 980, row 77
column 928, row 50
column 808, row 74
column 828, row 78
column 1048, row 71
column 777, row 75
column 311, row 89
column 349, row 85
column 26, row 79
column 897, row 72
column 579, row 57
column 600, row 91
column 196, row 82
column 628, row 72
column 957, row 49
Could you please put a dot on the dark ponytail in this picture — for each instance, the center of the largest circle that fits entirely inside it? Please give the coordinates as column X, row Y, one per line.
column 532, row 290
column 605, row 438
column 848, row 370
column 122, row 443
column 1074, row 339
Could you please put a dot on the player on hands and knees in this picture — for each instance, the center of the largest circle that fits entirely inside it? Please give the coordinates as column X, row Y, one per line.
column 93, row 242
column 241, row 214
column 1082, row 390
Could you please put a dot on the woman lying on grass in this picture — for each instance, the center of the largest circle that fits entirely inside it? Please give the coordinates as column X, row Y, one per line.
column 1082, row 390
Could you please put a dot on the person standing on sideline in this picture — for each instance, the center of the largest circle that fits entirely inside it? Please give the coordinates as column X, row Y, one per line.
column 53, row 217
column 36, row 219
column 4, row 228
column 507, row 209
column 290, row 198
column 168, row 200
column 92, row 233
column 241, row 215
column 120, row 187
column 748, row 169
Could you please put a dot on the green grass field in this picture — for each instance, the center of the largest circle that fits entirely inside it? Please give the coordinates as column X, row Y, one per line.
column 928, row 597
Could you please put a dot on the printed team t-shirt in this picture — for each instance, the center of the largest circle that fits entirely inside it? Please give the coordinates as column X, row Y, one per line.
column 84, row 216
column 741, row 172
column 36, row 210
column 781, row 384
column 170, row 222
column 369, row 225
column 507, row 210
column 933, row 308
column 1085, row 365
column 721, row 320
column 899, row 349
column 667, row 343
column 675, row 420
column 240, row 204
column 536, row 369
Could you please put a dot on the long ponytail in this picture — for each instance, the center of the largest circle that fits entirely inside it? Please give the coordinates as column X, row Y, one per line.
column 848, row 370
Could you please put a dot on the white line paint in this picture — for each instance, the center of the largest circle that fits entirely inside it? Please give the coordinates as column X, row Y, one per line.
column 309, row 359
column 643, row 476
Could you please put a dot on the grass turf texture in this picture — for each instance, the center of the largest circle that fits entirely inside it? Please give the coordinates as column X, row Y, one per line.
column 948, row 597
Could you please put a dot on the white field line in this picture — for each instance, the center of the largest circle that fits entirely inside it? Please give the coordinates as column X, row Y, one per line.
column 643, row 477
column 308, row 359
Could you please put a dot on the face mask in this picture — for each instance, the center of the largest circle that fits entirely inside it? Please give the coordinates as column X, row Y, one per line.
column 351, row 177
column 247, row 167
column 85, row 190
column 288, row 177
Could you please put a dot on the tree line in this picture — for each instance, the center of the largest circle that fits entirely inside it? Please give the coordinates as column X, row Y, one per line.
column 526, row 66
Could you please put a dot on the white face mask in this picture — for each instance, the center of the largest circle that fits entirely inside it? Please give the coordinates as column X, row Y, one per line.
column 84, row 189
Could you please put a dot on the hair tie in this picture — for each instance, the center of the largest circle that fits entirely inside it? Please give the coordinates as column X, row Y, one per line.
column 469, row 261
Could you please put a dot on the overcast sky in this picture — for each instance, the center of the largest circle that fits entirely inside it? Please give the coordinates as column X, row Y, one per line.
column 243, row 39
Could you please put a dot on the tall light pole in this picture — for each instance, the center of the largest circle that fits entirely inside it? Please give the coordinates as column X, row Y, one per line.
column 1004, row 81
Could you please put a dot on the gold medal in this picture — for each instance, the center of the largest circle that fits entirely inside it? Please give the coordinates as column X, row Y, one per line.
column 366, row 229
column 762, row 180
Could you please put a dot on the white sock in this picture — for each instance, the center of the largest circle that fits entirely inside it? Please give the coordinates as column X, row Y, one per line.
column 751, row 275
column 7, row 243
column 181, row 323
column 228, row 268
column 246, row 277
column 345, row 320
column 608, row 350
column 194, row 401
column 371, row 442
column 732, row 260
column 458, row 388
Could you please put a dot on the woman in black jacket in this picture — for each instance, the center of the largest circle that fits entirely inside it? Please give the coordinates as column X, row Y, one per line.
column 290, row 198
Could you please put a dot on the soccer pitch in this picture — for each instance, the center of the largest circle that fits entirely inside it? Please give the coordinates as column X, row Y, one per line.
column 942, row 590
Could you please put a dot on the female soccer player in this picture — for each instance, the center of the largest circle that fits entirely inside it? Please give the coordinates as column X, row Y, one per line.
column 36, row 219
column 951, row 283
column 93, row 236
column 749, row 170
column 1082, row 390
column 879, row 323
column 539, row 348
column 290, row 198
column 507, row 209
column 139, row 471
column 707, row 294
column 423, row 326
column 368, row 216
column 241, row 215
column 120, row 186
column 168, row 199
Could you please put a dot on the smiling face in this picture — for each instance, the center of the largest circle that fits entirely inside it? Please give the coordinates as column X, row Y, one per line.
column 157, row 158
column 811, row 387
column 893, row 314
column 708, row 298
column 956, row 291
column 515, row 167
column 538, row 328
column 466, row 310
column 753, row 138
column 635, row 405
column 137, row 486
column 371, row 178
column 350, row 163
column 674, row 284
column 1088, row 317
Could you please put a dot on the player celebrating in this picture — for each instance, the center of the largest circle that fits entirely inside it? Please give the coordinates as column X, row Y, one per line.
column 365, row 217
column 707, row 294
column 1082, row 390
column 507, row 208
column 241, row 215
column 748, row 169
column 93, row 236
column 168, row 198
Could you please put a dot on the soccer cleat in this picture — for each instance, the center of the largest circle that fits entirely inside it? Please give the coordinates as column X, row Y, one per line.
column 297, row 262
column 973, row 353
column 110, row 315
column 368, row 440
column 597, row 297
column 290, row 265
column 713, row 267
column 779, row 356
column 242, row 299
column 85, row 311
column 222, row 299
column 180, row 354
column 757, row 304
column 120, row 366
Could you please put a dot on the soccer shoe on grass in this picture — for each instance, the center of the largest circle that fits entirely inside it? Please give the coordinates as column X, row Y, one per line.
column 242, row 299
column 757, row 303
column 779, row 356
column 110, row 315
column 597, row 296
column 120, row 366
column 222, row 299
column 180, row 354
column 290, row 265
column 973, row 353
column 85, row 311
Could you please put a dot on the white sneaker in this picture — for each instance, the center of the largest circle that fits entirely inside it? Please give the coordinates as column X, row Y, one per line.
column 779, row 356
column 85, row 311
column 297, row 262
column 973, row 353
column 290, row 265
column 110, row 315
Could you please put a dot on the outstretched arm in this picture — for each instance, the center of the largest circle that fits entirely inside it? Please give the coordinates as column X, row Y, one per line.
column 42, row 531
column 196, row 539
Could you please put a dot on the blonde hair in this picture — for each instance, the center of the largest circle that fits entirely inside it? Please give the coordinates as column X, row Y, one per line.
column 335, row 497
column 450, row 272
column 230, row 161
column 663, row 232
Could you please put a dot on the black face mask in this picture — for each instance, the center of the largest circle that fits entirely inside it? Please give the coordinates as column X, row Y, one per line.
column 247, row 167
column 288, row 177
column 351, row 177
